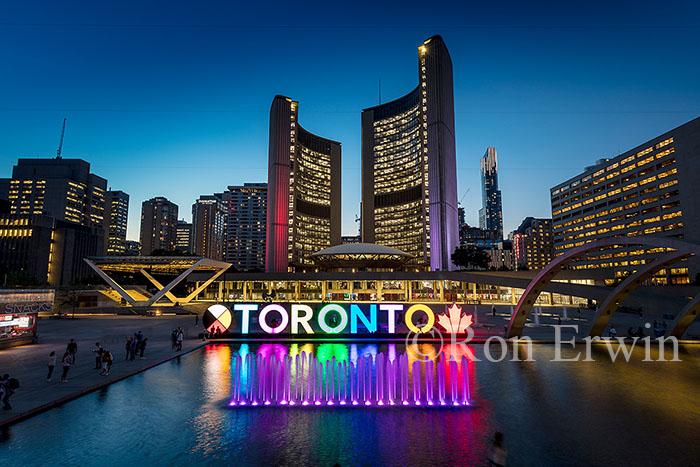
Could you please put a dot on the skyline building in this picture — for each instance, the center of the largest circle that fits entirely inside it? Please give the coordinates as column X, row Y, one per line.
column 409, row 173
column 115, row 221
column 208, row 227
column 491, row 212
column 474, row 236
column 246, row 219
column 54, row 219
column 45, row 250
column 533, row 242
column 184, row 236
column 64, row 189
column 652, row 189
column 304, row 196
column 158, row 225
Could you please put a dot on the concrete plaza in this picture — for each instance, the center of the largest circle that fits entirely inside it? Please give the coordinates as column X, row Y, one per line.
column 29, row 363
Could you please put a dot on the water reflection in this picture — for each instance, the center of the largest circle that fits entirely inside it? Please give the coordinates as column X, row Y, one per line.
column 552, row 413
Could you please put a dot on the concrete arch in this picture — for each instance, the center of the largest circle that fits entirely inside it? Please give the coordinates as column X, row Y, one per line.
column 685, row 318
column 546, row 275
column 626, row 287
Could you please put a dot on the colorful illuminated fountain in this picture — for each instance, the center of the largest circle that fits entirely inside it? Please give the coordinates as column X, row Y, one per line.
column 304, row 380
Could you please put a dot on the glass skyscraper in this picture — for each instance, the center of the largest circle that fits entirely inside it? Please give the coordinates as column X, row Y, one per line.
column 491, row 212
column 409, row 176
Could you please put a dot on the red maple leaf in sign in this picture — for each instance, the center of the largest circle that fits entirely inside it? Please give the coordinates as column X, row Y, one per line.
column 453, row 322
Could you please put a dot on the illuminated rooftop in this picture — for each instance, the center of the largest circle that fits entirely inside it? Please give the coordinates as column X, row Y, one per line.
column 360, row 256
column 156, row 264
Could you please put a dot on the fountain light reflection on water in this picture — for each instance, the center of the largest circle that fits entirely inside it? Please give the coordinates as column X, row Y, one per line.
column 587, row 413
column 338, row 375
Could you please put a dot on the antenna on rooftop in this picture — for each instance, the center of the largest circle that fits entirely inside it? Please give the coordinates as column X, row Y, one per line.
column 60, row 144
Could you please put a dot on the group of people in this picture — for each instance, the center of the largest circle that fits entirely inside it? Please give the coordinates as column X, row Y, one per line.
column 103, row 359
column 136, row 346
column 659, row 330
column 177, row 336
column 8, row 386
column 67, row 360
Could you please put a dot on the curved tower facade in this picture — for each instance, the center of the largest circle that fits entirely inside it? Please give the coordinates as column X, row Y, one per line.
column 409, row 173
column 303, row 213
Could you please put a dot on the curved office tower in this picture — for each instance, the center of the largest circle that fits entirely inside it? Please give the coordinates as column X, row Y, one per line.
column 303, row 211
column 409, row 175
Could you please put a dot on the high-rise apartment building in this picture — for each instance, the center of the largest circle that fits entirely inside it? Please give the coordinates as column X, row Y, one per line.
column 533, row 243
column 158, row 225
column 208, row 217
column 303, row 202
column 409, row 175
column 60, row 188
column 652, row 189
column 246, row 220
column 184, row 236
column 491, row 212
column 115, row 222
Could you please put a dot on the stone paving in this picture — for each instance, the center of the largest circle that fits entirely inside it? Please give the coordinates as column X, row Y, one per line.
column 29, row 363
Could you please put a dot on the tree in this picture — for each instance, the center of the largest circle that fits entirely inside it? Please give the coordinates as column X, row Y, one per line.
column 470, row 257
column 70, row 297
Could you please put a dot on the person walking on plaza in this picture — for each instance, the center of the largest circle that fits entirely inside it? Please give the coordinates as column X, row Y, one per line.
column 106, row 362
column 498, row 454
column 52, row 364
column 7, row 388
column 142, row 347
column 67, row 360
column 72, row 349
column 128, row 347
column 180, row 338
column 493, row 310
column 133, row 348
column 613, row 332
column 173, row 338
column 196, row 319
column 98, row 355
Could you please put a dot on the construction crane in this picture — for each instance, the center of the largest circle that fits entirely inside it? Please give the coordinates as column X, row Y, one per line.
column 465, row 194
column 60, row 144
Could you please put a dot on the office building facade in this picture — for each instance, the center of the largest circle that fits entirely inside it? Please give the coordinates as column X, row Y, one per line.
column 208, row 217
column 64, row 189
column 41, row 249
column 133, row 248
column 491, row 212
column 409, row 181
column 502, row 257
column 476, row 237
column 246, row 220
column 303, row 202
column 158, row 225
column 533, row 243
column 652, row 189
column 115, row 221
column 184, row 236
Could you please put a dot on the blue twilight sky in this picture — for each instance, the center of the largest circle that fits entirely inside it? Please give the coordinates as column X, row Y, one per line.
column 172, row 98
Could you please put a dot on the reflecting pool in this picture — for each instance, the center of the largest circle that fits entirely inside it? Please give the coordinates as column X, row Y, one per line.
column 551, row 413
